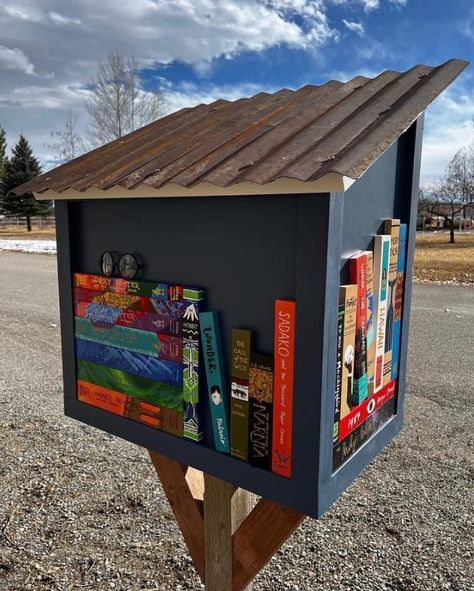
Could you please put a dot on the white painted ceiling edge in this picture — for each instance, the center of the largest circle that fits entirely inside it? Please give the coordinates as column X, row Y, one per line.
column 332, row 182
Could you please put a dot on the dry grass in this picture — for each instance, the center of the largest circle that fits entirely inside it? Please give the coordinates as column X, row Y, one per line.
column 437, row 260
column 35, row 234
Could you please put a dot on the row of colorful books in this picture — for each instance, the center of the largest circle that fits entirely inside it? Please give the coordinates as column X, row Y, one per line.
column 137, row 350
column 139, row 346
column 252, row 413
column 369, row 321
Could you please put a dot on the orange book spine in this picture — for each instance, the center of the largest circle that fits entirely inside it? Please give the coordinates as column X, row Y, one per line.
column 284, row 355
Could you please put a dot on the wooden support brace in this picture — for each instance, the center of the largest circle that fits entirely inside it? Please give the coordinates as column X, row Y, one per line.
column 187, row 509
column 259, row 537
column 229, row 540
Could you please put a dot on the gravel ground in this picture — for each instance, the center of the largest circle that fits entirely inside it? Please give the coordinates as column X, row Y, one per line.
column 80, row 509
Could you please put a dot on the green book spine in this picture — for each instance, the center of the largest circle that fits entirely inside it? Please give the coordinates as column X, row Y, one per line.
column 192, row 427
column 239, row 403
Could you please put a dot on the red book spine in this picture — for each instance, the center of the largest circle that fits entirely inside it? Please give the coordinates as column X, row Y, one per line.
column 285, row 315
column 358, row 276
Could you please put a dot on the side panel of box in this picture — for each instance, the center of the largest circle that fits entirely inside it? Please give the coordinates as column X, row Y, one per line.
column 314, row 271
column 388, row 189
column 66, row 305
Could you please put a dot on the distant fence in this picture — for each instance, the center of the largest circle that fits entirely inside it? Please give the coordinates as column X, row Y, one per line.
column 19, row 224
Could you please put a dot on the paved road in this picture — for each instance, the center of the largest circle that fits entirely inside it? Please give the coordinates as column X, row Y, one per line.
column 81, row 507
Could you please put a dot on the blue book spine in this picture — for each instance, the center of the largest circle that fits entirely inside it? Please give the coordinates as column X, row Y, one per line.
column 398, row 303
column 145, row 366
column 216, row 387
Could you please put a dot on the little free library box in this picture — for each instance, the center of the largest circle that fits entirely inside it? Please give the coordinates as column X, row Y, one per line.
column 235, row 281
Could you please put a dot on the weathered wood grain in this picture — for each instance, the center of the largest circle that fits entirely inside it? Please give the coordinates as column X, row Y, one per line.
column 186, row 509
column 218, row 533
column 261, row 534
column 195, row 480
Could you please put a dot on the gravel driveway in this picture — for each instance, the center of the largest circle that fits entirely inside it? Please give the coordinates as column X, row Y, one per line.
column 80, row 509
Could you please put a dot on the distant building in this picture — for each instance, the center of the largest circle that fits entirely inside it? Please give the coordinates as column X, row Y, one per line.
column 426, row 219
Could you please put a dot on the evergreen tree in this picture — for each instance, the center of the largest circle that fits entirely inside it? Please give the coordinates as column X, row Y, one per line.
column 3, row 157
column 21, row 167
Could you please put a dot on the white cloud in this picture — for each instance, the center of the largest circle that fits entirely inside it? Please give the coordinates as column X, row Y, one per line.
column 161, row 31
column 448, row 127
column 354, row 26
column 346, row 75
column 26, row 13
column 306, row 7
column 370, row 4
column 45, row 97
column 189, row 95
column 15, row 59
column 63, row 20
column 66, row 39
column 370, row 50
column 466, row 26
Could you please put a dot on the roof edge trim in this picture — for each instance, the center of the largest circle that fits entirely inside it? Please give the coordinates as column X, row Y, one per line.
column 331, row 182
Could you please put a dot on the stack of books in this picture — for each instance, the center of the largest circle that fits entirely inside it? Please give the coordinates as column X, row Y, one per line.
column 368, row 335
column 140, row 347
column 252, row 415
column 137, row 350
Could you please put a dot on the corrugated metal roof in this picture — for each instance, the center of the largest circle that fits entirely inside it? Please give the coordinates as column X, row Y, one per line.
column 301, row 135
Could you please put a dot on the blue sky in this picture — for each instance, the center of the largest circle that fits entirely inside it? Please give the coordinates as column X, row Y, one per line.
column 200, row 50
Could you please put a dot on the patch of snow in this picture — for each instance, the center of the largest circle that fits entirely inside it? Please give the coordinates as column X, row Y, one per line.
column 36, row 246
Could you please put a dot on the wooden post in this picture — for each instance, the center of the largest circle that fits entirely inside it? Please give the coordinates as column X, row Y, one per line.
column 243, row 502
column 229, row 539
column 225, row 508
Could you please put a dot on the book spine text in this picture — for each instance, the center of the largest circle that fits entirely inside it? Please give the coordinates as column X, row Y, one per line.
column 398, row 307
column 284, row 347
column 392, row 229
column 261, row 403
column 213, row 363
column 381, row 265
column 358, row 276
column 239, row 401
column 348, row 297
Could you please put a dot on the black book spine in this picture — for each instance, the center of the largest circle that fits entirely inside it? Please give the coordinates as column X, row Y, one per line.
column 260, row 410
column 338, row 386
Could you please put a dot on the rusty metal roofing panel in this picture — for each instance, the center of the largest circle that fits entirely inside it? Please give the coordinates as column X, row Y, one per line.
column 302, row 135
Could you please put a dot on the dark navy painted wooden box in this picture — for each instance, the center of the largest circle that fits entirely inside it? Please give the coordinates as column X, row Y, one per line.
column 246, row 252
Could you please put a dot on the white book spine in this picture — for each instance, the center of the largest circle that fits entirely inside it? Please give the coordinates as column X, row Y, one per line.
column 381, row 268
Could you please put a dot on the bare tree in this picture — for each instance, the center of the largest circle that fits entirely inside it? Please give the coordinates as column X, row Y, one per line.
column 118, row 104
column 69, row 144
column 454, row 193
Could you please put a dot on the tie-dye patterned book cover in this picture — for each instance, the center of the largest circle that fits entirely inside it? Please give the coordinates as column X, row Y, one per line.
column 137, row 351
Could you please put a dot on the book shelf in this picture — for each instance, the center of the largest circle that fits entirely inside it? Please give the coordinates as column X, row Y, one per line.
column 246, row 252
